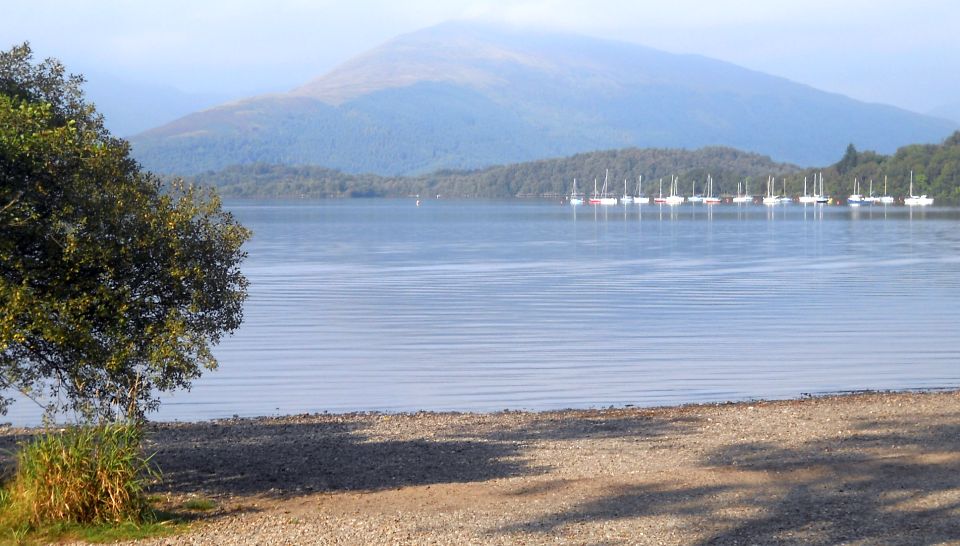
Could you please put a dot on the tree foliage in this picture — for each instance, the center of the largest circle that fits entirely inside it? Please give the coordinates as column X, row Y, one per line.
column 935, row 167
column 549, row 177
column 936, row 173
column 113, row 284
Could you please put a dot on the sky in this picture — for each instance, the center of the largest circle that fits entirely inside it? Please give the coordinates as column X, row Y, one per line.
column 894, row 52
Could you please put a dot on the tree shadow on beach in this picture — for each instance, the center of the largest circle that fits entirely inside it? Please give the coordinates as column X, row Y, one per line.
column 623, row 502
column 842, row 489
column 588, row 424
column 847, row 491
column 282, row 459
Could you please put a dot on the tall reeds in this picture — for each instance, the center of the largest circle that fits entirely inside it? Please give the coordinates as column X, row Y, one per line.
column 80, row 474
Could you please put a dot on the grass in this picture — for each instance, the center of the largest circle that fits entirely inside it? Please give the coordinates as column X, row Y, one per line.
column 93, row 533
column 82, row 483
column 200, row 504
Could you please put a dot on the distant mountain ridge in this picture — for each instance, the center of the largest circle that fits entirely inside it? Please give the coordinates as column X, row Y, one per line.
column 947, row 111
column 122, row 103
column 463, row 96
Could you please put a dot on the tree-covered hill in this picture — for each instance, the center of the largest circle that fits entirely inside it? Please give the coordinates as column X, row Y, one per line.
column 935, row 167
column 538, row 178
column 936, row 171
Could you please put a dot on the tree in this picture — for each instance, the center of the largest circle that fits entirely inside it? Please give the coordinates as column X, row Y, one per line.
column 849, row 160
column 113, row 284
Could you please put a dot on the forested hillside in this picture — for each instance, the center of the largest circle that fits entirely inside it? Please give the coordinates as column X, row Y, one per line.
column 936, row 172
column 533, row 179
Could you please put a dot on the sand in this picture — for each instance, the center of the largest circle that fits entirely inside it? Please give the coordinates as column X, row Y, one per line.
column 881, row 468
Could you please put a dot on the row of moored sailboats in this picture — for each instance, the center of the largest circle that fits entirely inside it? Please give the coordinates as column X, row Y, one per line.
column 600, row 196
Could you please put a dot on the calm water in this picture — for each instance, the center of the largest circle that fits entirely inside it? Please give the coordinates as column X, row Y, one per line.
column 381, row 305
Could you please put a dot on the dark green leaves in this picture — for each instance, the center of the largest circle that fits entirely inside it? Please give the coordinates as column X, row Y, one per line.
column 112, row 285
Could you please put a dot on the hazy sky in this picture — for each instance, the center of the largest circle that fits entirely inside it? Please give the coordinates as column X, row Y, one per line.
column 901, row 53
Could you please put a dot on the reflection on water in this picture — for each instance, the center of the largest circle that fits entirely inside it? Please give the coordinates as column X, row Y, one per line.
column 382, row 305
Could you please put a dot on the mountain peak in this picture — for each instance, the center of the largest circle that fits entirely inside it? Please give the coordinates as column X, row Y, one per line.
column 469, row 94
column 458, row 52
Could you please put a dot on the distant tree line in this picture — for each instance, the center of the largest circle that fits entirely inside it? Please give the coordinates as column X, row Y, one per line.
column 935, row 167
column 936, row 171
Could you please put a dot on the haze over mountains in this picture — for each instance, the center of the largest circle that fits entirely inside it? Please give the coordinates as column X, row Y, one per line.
column 467, row 95
column 122, row 103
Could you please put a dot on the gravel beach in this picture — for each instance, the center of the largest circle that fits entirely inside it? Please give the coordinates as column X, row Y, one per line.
column 879, row 468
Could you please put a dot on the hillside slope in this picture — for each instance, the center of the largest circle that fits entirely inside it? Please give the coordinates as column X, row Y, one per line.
column 463, row 96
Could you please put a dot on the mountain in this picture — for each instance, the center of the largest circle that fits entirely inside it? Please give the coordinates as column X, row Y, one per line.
column 947, row 111
column 465, row 95
column 131, row 107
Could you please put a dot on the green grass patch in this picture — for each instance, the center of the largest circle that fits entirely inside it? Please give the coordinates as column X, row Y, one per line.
column 200, row 504
column 95, row 533
column 82, row 483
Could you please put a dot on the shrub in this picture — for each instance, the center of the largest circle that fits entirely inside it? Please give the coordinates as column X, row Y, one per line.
column 81, row 474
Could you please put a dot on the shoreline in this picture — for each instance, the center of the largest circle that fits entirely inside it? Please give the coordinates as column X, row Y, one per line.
column 879, row 467
column 803, row 397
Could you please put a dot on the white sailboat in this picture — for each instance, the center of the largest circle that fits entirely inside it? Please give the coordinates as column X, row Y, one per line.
column 627, row 198
column 770, row 198
column 916, row 200
column 870, row 198
column 785, row 199
column 601, row 198
column 674, row 198
column 805, row 198
column 886, row 198
column 856, row 198
column 640, row 199
column 819, row 197
column 694, row 198
column 745, row 197
column 710, row 199
column 575, row 198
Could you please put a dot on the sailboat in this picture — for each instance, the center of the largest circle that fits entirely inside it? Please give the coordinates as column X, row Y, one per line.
column 575, row 198
column 709, row 198
column 674, row 198
column 601, row 198
column 870, row 198
column 819, row 197
column 805, row 198
column 770, row 198
column 639, row 198
column 913, row 200
column 660, row 199
column 627, row 198
column 694, row 198
column 856, row 198
column 785, row 199
column 886, row 198
column 745, row 197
